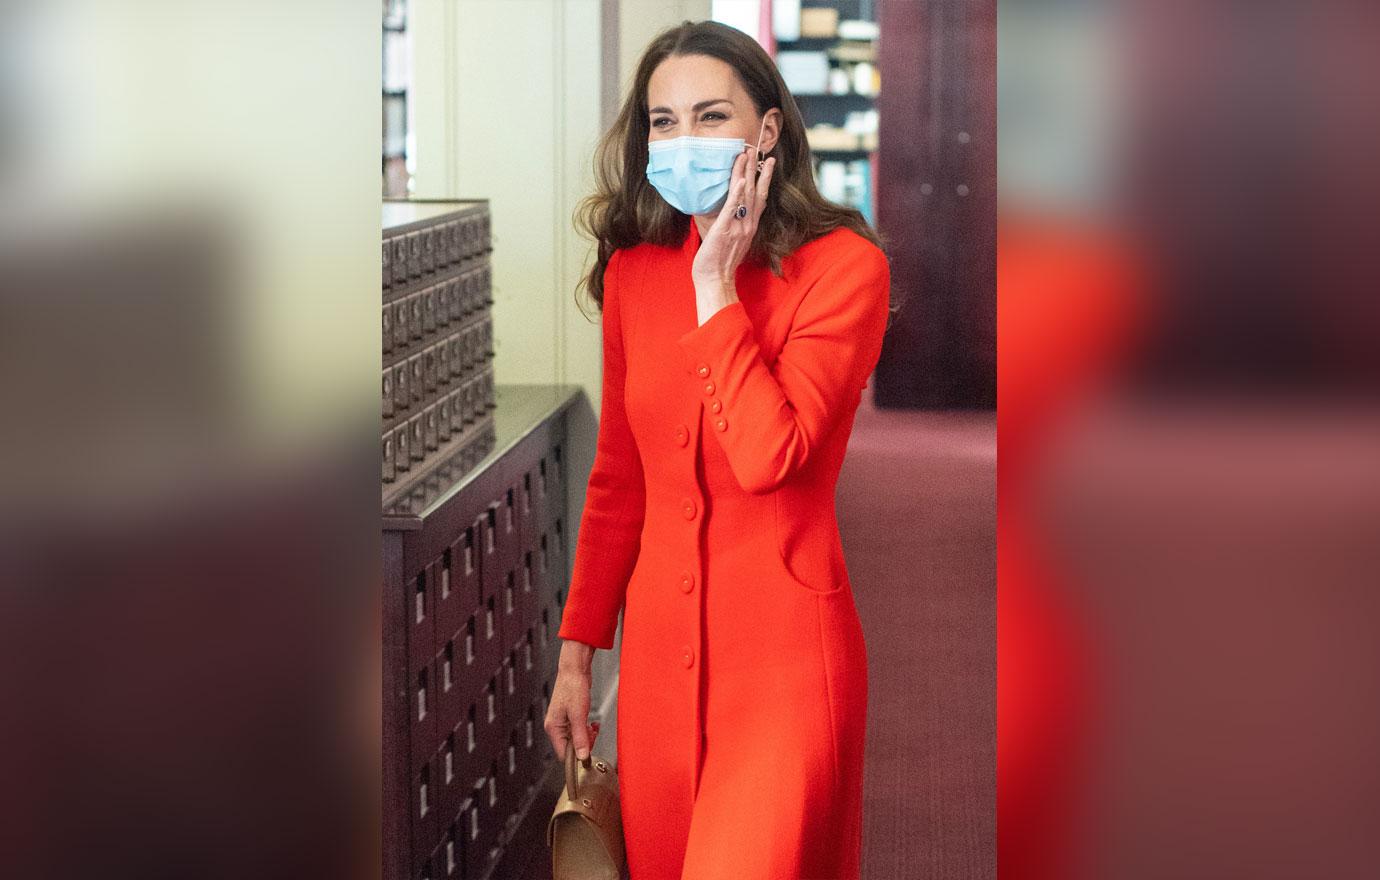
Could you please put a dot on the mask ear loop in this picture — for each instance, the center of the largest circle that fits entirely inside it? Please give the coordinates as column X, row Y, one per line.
column 758, row 146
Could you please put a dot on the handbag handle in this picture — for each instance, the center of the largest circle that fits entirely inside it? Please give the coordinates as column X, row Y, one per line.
column 571, row 774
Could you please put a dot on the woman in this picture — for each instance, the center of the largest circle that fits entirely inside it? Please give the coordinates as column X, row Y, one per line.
column 742, row 316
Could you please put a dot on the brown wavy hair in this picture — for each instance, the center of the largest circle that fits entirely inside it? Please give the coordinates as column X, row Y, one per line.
column 626, row 210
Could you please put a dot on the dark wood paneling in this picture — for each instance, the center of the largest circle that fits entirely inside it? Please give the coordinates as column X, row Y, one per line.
column 936, row 201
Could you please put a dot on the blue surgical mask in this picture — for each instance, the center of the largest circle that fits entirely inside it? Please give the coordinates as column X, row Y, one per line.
column 692, row 173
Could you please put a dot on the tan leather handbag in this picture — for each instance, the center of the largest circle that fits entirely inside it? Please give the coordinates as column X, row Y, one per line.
column 585, row 832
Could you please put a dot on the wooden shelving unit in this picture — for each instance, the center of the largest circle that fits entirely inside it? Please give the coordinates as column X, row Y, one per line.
column 845, row 155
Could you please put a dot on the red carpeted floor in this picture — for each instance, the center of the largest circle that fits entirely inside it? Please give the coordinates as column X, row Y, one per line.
column 917, row 512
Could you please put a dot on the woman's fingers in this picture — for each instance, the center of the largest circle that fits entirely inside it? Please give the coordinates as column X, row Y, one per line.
column 763, row 184
column 731, row 201
column 581, row 735
column 747, row 188
column 564, row 727
column 750, row 181
column 739, row 187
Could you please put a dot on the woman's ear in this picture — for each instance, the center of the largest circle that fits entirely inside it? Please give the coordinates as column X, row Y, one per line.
column 773, row 135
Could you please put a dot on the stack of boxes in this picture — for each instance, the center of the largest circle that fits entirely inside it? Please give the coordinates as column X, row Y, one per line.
column 438, row 379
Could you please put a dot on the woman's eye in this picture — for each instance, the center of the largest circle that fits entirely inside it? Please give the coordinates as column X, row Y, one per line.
column 714, row 114
column 657, row 122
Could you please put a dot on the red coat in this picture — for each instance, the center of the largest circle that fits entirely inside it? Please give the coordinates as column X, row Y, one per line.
column 709, row 520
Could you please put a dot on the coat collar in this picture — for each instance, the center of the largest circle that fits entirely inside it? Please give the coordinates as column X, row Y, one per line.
column 691, row 242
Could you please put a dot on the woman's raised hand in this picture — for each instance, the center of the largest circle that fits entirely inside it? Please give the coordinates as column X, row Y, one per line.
column 728, row 240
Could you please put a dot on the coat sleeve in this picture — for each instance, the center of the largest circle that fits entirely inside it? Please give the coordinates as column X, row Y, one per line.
column 773, row 419
column 609, row 537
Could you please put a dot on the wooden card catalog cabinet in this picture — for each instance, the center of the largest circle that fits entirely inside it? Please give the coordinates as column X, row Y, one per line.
column 475, row 577
column 438, row 376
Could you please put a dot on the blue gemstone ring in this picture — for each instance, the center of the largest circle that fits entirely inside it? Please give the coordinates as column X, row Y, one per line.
column 740, row 212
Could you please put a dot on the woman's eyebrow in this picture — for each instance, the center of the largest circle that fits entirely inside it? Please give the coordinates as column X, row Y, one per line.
column 697, row 108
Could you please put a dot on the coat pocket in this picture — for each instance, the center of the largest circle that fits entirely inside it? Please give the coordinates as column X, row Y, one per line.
column 806, row 543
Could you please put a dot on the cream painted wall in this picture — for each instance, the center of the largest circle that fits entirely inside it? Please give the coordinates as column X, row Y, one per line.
column 640, row 20
column 507, row 106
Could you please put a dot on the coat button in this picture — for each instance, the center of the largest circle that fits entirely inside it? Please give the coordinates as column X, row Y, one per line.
column 702, row 370
column 682, row 435
column 687, row 507
column 716, row 405
column 687, row 656
column 721, row 423
column 708, row 387
column 687, row 581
